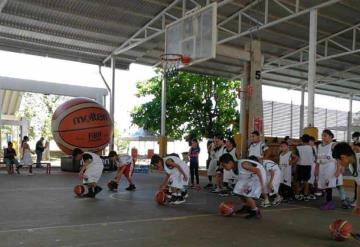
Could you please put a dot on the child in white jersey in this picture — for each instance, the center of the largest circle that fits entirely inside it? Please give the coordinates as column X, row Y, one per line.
column 250, row 183
column 257, row 147
column 345, row 156
column 285, row 162
column 215, row 149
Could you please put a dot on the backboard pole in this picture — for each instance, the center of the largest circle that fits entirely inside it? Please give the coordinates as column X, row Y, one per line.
column 112, row 100
column 162, row 141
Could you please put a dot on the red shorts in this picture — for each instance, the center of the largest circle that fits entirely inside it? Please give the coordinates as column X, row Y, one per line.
column 128, row 170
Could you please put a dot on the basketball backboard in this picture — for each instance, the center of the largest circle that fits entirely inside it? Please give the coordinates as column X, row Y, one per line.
column 194, row 35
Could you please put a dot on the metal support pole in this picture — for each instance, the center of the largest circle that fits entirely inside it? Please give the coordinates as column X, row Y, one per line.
column 163, row 107
column 326, row 115
column 302, row 111
column 349, row 122
column 272, row 118
column 291, row 119
column 112, row 99
column 312, row 67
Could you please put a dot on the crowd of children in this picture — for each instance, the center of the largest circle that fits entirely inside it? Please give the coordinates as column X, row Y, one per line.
column 301, row 173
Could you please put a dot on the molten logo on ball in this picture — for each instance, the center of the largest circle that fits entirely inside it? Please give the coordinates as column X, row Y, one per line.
column 81, row 123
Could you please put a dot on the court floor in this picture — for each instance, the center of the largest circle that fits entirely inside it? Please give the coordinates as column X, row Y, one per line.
column 41, row 210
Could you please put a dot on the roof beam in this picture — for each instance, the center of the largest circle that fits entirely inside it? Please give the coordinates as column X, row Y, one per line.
column 3, row 4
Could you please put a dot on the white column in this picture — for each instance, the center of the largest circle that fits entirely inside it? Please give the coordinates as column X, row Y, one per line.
column 163, row 106
column 312, row 67
column 112, row 99
column 1, row 101
column 349, row 122
column 291, row 119
column 302, row 111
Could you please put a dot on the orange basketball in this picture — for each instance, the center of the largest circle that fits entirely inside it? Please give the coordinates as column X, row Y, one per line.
column 160, row 197
column 81, row 123
column 226, row 208
column 79, row 190
column 340, row 230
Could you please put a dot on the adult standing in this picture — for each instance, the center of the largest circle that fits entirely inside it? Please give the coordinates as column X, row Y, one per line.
column 39, row 149
column 26, row 159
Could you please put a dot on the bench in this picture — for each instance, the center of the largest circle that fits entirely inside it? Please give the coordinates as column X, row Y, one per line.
column 46, row 164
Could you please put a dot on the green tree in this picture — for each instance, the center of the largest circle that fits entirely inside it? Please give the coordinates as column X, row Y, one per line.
column 198, row 105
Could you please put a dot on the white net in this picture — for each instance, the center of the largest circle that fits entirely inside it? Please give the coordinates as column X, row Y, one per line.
column 170, row 64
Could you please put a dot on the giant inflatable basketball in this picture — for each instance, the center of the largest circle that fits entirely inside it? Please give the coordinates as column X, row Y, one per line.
column 81, row 123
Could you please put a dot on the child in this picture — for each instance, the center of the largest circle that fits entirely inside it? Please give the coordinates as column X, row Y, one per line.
column 257, row 147
column 328, row 171
column 125, row 167
column 313, row 179
column 216, row 150
column 177, row 176
column 272, row 184
column 194, row 162
column 344, row 156
column 305, row 156
column 26, row 159
column 286, row 171
column 228, row 178
column 251, row 177
column 90, row 171
column 10, row 160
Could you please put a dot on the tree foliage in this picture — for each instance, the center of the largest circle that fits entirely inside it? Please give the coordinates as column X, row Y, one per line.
column 198, row 105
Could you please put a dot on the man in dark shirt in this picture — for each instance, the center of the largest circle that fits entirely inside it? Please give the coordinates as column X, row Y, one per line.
column 10, row 160
column 39, row 149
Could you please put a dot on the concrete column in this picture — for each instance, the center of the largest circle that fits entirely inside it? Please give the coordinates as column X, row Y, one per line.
column 1, row 102
column 112, row 99
column 349, row 122
column 302, row 111
column 244, row 110
column 312, row 67
column 163, row 140
column 254, row 107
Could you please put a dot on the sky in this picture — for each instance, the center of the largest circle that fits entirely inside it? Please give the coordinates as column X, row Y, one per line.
column 67, row 72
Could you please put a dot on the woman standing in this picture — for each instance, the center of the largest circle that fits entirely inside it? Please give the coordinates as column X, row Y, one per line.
column 26, row 159
column 194, row 162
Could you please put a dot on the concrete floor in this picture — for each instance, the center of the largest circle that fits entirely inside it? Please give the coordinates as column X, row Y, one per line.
column 41, row 210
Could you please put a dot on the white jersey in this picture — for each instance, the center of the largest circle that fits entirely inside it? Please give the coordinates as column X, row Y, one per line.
column 93, row 170
column 176, row 177
column 269, row 166
column 328, row 166
column 306, row 154
column 215, row 155
column 357, row 173
column 285, row 168
column 257, row 149
column 248, row 183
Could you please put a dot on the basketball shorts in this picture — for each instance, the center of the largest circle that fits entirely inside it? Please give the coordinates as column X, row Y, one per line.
column 303, row 173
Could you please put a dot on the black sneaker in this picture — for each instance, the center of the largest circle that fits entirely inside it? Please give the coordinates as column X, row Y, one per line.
column 173, row 199
column 179, row 200
column 97, row 190
column 17, row 170
column 244, row 209
column 89, row 195
column 131, row 187
column 208, row 186
column 253, row 214
column 224, row 193
column 185, row 194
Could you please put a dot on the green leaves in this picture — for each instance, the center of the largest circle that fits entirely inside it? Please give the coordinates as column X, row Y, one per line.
column 196, row 104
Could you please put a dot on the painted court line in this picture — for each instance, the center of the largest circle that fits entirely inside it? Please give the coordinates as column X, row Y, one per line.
column 132, row 221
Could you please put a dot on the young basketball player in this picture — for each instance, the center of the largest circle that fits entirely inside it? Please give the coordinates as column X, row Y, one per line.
column 328, row 171
column 273, row 179
column 216, row 149
column 90, row 172
column 250, row 184
column 345, row 156
column 257, row 147
column 176, row 178
column 313, row 179
column 125, row 167
column 285, row 159
column 305, row 156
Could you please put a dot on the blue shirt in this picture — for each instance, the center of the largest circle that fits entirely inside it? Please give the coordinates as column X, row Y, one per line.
column 194, row 151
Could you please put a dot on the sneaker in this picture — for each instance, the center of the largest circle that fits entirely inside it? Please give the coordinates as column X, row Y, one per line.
column 208, row 186
column 277, row 201
column 306, row 198
column 30, row 174
column 89, row 195
column 131, row 187
column 224, row 193
column 168, row 194
column 346, row 204
column 185, row 194
column 97, row 190
column 265, row 204
column 18, row 170
column 299, row 197
column 216, row 190
column 179, row 200
column 312, row 197
column 244, row 209
column 328, row 206
column 253, row 214
column 172, row 199
column 353, row 203
column 318, row 193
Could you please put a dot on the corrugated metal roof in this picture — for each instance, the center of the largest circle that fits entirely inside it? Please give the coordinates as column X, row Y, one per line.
column 89, row 30
column 10, row 102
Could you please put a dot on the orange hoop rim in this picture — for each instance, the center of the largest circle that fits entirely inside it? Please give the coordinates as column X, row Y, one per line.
column 171, row 57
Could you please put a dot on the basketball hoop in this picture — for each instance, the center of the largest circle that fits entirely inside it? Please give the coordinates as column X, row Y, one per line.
column 171, row 64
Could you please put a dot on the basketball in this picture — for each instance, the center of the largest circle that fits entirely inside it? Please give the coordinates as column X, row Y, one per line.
column 81, row 123
column 340, row 230
column 160, row 197
column 226, row 208
column 79, row 190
